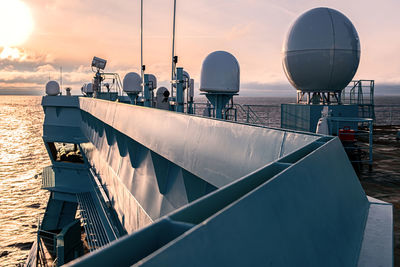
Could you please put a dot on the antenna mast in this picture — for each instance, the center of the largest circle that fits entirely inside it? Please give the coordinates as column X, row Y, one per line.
column 174, row 59
column 61, row 78
column 141, row 40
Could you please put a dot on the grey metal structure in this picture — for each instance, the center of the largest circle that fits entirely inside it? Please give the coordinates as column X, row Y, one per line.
column 220, row 80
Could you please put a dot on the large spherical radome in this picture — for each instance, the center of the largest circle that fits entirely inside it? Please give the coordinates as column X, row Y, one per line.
column 321, row 52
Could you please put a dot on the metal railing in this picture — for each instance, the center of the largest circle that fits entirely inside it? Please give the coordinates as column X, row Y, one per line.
column 253, row 114
column 113, row 81
column 96, row 234
column 269, row 115
column 359, row 92
column 45, row 242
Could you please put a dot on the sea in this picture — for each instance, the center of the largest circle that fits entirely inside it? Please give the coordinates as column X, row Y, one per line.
column 23, row 156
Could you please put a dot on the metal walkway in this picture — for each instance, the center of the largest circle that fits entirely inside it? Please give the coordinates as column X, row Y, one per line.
column 94, row 228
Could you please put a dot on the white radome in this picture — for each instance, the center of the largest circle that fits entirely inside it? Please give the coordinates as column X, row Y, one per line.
column 88, row 88
column 52, row 88
column 321, row 52
column 132, row 83
column 220, row 73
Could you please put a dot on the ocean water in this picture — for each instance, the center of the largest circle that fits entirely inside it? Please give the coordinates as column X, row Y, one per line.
column 23, row 156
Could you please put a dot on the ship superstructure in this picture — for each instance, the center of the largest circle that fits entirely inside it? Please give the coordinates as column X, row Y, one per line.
column 152, row 184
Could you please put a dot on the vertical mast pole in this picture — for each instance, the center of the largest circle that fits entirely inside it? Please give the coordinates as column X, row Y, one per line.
column 61, row 82
column 141, row 41
column 173, row 51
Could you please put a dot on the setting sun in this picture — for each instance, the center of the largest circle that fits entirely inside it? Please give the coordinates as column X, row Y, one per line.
column 16, row 23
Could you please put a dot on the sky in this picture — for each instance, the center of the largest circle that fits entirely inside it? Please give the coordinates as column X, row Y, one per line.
column 67, row 34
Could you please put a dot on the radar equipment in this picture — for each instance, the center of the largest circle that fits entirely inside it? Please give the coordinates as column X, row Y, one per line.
column 132, row 86
column 87, row 89
column 162, row 96
column 220, row 79
column 52, row 88
column 321, row 55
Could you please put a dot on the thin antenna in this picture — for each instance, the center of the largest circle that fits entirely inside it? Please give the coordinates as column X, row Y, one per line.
column 141, row 41
column 173, row 51
column 61, row 78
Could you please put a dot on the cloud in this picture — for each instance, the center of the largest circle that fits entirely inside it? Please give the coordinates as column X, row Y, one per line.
column 70, row 33
column 238, row 31
column 17, row 54
column 46, row 68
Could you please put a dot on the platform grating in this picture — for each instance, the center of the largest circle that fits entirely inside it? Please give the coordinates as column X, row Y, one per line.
column 48, row 177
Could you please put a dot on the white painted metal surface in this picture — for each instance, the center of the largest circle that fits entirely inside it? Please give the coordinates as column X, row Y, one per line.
column 132, row 83
column 52, row 88
column 162, row 98
column 87, row 88
column 321, row 51
column 220, row 73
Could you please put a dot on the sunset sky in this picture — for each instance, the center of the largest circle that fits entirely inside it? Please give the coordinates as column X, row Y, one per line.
column 41, row 35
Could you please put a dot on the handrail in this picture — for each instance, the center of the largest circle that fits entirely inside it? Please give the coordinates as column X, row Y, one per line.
column 356, row 87
column 117, row 79
column 255, row 118
column 384, row 114
column 40, row 254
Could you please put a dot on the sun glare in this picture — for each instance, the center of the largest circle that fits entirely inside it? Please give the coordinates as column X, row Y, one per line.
column 16, row 23
column 10, row 53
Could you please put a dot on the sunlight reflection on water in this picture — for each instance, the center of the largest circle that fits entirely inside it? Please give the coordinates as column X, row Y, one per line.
column 22, row 158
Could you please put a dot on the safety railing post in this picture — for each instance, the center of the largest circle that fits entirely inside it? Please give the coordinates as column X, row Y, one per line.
column 370, row 145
